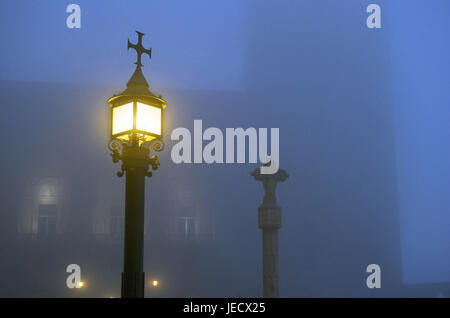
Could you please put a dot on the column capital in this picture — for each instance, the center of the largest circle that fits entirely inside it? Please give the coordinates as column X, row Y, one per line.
column 269, row 182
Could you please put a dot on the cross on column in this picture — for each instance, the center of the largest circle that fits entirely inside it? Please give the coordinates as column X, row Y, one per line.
column 269, row 221
column 269, row 182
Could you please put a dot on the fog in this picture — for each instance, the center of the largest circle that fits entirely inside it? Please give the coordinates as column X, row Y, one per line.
column 363, row 135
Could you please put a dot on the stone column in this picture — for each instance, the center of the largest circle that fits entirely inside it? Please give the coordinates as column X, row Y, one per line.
column 269, row 221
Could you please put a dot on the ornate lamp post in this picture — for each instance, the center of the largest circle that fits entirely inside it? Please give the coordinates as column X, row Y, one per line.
column 136, row 128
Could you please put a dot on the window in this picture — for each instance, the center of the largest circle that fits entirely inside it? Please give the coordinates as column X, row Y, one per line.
column 185, row 226
column 47, row 219
column 116, row 222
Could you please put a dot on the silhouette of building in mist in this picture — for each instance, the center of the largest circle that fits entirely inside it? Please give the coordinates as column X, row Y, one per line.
column 314, row 72
column 45, row 212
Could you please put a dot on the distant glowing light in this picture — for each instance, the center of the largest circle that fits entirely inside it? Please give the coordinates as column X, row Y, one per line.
column 155, row 283
column 80, row 284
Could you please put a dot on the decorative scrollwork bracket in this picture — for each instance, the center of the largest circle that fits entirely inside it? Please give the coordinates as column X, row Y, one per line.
column 135, row 157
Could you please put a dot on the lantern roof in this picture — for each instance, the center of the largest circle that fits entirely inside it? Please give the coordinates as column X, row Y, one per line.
column 138, row 85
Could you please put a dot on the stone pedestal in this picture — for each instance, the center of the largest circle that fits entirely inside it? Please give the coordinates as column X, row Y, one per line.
column 269, row 221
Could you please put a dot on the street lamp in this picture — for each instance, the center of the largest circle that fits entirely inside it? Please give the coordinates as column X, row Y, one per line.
column 136, row 129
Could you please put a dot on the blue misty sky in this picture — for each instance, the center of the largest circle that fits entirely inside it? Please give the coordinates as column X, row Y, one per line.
column 421, row 79
column 196, row 44
column 203, row 44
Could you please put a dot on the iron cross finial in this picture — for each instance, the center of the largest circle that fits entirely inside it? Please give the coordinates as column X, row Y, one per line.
column 139, row 49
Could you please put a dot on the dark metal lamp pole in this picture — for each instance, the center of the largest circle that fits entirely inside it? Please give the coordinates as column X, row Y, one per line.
column 136, row 129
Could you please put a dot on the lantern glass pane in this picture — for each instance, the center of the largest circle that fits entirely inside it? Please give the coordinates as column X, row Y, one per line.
column 148, row 118
column 122, row 118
